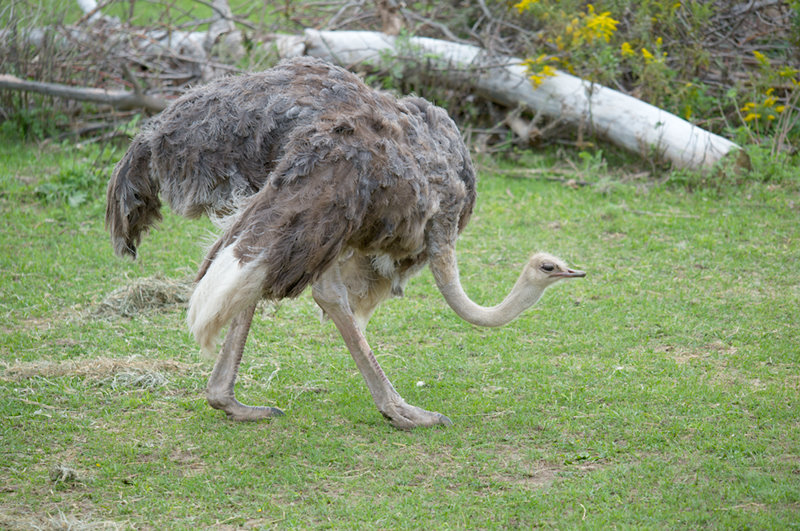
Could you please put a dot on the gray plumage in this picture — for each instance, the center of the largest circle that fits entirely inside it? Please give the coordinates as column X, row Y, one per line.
column 342, row 162
column 324, row 182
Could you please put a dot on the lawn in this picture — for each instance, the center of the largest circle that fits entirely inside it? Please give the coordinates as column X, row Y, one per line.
column 661, row 391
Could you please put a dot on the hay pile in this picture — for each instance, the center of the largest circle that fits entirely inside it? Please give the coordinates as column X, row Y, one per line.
column 143, row 296
column 142, row 372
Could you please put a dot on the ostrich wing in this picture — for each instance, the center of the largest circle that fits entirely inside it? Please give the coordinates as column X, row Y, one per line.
column 297, row 231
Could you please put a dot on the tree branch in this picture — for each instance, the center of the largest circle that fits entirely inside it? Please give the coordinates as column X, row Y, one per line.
column 118, row 99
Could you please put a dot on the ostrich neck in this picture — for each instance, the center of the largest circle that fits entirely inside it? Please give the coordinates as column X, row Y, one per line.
column 521, row 297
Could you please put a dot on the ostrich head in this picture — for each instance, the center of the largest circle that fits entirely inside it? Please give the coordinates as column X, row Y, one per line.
column 540, row 272
column 544, row 270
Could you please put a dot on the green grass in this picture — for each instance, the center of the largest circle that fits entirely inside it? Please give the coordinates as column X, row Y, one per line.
column 661, row 391
column 174, row 14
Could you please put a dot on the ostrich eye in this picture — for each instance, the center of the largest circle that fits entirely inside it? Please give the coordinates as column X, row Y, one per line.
column 547, row 266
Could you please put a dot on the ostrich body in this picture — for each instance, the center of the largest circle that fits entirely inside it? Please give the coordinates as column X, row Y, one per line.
column 321, row 181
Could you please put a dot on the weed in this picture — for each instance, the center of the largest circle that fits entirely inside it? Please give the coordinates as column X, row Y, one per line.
column 35, row 123
column 74, row 185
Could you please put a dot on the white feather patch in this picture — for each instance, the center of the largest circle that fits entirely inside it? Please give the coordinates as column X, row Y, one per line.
column 226, row 289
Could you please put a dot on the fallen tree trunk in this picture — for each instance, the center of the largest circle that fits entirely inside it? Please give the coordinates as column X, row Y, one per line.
column 624, row 121
column 118, row 99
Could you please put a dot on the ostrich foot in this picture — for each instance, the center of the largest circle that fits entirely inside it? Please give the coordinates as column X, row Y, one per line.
column 405, row 416
column 238, row 411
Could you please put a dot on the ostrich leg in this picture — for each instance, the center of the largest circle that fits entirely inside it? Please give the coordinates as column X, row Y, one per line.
column 330, row 294
column 219, row 393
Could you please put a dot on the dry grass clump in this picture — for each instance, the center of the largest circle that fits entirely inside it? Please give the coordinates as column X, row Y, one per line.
column 54, row 522
column 136, row 379
column 145, row 295
column 118, row 372
column 60, row 473
column 69, row 522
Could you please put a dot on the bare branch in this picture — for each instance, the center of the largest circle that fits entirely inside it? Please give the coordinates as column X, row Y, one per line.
column 118, row 99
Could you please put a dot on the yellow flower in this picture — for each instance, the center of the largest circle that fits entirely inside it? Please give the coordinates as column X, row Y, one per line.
column 761, row 58
column 601, row 25
column 752, row 116
column 536, row 80
column 780, row 108
column 648, row 57
column 626, row 50
column 531, row 63
column 525, row 4
column 788, row 71
column 539, row 69
column 570, row 29
column 548, row 71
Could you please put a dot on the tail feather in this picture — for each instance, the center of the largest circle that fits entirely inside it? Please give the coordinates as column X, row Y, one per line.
column 226, row 288
column 132, row 202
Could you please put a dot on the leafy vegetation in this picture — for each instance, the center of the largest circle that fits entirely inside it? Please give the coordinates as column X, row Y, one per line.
column 746, row 76
column 73, row 185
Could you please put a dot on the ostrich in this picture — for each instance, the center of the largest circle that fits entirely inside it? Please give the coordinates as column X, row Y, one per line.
column 317, row 180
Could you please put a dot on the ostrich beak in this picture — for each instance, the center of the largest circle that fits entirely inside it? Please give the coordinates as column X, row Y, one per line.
column 570, row 273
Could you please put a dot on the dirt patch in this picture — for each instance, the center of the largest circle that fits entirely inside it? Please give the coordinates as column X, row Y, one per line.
column 537, row 475
column 715, row 359
column 145, row 295
column 714, row 353
column 191, row 465
column 513, row 466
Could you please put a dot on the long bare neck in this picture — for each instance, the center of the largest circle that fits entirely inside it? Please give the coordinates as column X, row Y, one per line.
column 521, row 297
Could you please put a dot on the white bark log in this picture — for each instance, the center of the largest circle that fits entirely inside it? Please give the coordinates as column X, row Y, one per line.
column 621, row 119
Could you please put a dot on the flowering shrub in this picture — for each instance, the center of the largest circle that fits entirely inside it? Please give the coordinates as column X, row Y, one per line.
column 658, row 51
column 580, row 35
